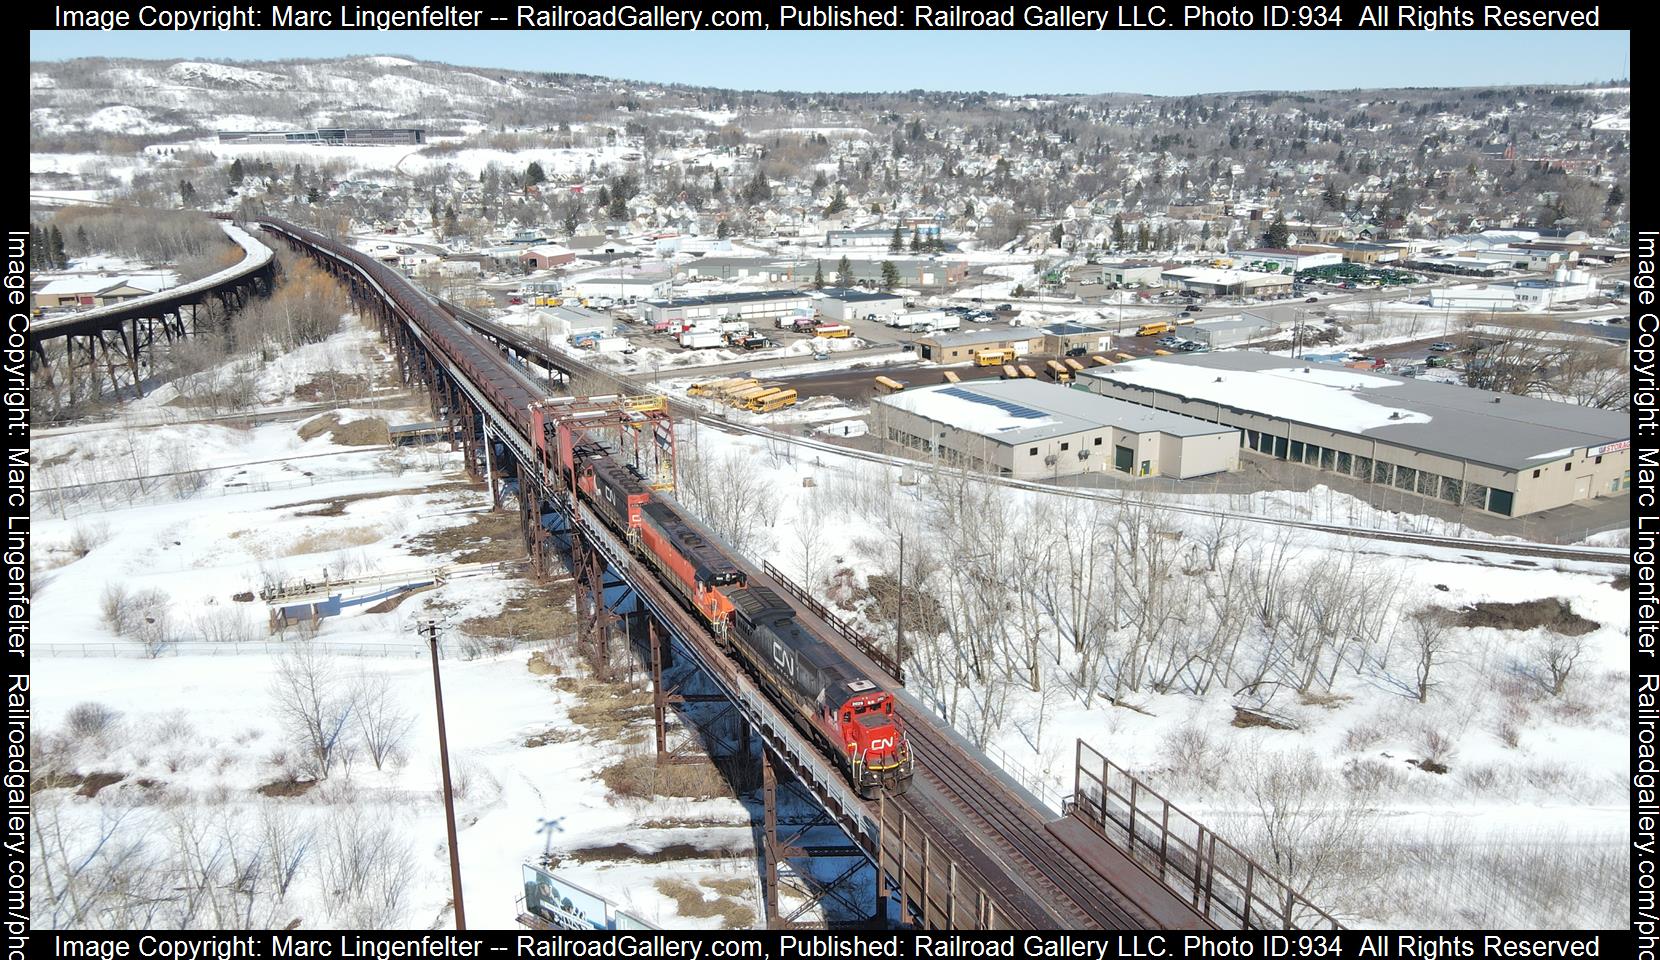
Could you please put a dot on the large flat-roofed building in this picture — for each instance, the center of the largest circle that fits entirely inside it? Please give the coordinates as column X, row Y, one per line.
column 1501, row 453
column 1030, row 429
column 1275, row 259
column 1218, row 283
column 840, row 303
column 1228, row 331
column 339, row 136
column 763, row 305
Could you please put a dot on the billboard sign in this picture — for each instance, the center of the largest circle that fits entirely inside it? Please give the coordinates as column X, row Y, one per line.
column 562, row 903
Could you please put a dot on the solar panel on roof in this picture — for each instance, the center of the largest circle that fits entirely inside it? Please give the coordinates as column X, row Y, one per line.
column 1008, row 407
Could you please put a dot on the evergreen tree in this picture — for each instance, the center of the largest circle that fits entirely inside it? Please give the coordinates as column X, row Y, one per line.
column 618, row 209
column 452, row 224
column 1333, row 199
column 1055, row 236
column 1278, row 234
column 722, row 230
column 534, row 174
column 1019, row 290
column 838, row 203
column 717, row 189
column 820, row 182
column 844, row 273
column 1118, row 237
column 890, row 275
column 968, row 209
column 758, row 190
column 54, row 244
column 916, row 240
column 897, row 243
column 602, row 199
column 570, row 221
column 818, row 274
column 187, row 194
column 1143, row 238
column 1616, row 196
column 81, row 242
column 237, row 174
column 313, row 194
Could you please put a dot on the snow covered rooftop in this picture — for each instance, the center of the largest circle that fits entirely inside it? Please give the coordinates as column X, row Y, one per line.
column 1020, row 411
column 1446, row 419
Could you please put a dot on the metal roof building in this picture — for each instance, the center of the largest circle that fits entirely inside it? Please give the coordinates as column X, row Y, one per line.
column 1497, row 452
column 1030, row 429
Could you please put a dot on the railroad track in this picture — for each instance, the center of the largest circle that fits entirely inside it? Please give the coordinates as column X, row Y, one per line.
column 1547, row 551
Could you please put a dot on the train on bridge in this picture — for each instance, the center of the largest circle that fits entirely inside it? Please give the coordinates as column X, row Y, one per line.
column 836, row 704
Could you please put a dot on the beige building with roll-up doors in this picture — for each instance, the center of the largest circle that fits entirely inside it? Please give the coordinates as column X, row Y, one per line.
column 1031, row 430
column 1500, row 453
column 961, row 347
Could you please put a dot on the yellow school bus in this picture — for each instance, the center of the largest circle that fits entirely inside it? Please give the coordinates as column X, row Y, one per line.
column 886, row 385
column 1026, row 371
column 776, row 400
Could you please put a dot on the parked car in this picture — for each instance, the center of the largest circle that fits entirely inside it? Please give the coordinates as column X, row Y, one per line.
column 908, row 347
column 1188, row 346
column 1077, row 351
column 1004, row 307
column 1442, row 347
column 1312, row 300
column 821, row 356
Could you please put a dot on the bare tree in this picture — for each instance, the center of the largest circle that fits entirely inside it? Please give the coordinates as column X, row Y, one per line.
column 308, row 698
column 1429, row 636
column 382, row 721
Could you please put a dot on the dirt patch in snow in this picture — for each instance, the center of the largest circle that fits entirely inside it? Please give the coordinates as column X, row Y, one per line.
column 1552, row 613
column 97, row 781
column 336, row 506
column 287, row 787
column 534, row 615
column 370, row 431
column 486, row 537
column 614, row 852
column 331, row 385
column 692, row 900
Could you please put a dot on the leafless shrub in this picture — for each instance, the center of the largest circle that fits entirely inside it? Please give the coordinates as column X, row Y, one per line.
column 86, row 537
column 1193, row 750
column 90, row 721
column 287, row 843
column 1554, row 655
column 1309, row 832
column 116, row 606
column 1438, row 747
column 1364, row 735
column 366, row 866
column 1368, row 776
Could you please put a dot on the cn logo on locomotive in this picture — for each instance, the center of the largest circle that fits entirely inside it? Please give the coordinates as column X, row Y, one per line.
column 784, row 657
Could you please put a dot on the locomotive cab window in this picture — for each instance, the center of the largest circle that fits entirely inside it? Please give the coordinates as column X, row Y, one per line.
column 847, row 717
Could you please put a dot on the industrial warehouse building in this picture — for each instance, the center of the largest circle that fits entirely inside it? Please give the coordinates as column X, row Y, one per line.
column 960, row 347
column 341, row 136
column 1213, row 282
column 1501, row 453
column 843, row 304
column 765, row 305
column 1030, row 430
column 1231, row 330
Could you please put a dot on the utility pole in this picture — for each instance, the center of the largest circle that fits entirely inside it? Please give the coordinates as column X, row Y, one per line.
column 899, row 641
column 430, row 628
